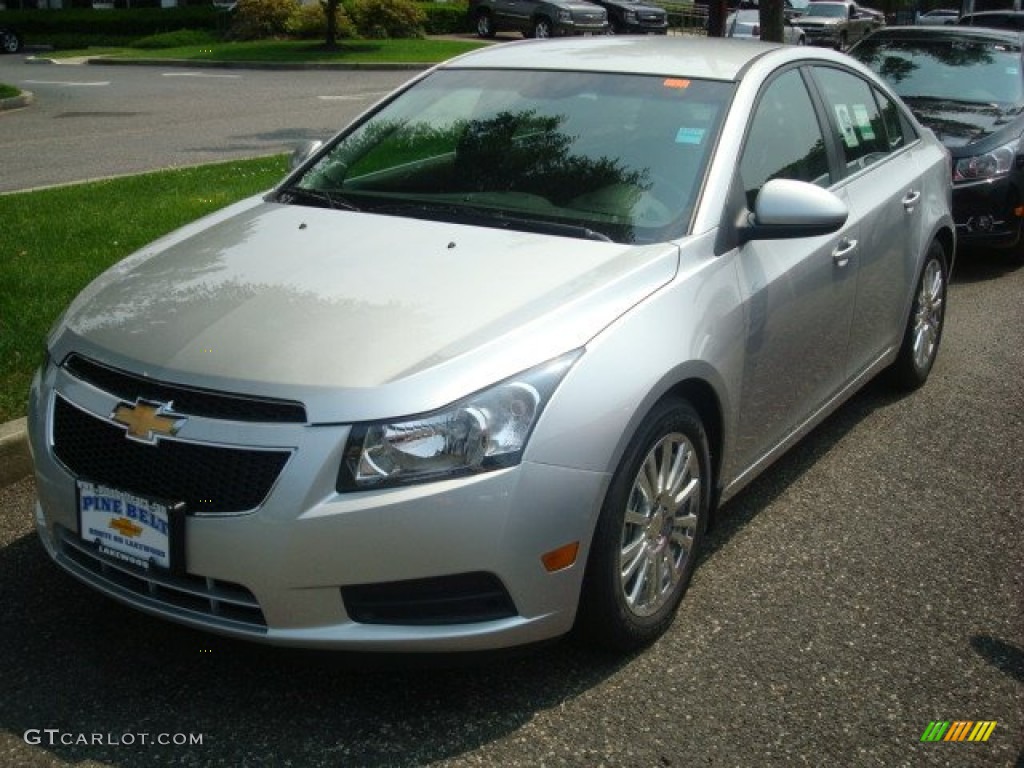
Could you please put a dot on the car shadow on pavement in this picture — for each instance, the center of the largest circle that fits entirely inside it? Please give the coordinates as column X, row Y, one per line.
column 978, row 266
column 85, row 665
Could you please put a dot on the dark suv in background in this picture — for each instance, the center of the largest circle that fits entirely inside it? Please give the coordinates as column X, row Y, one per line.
column 994, row 19
column 537, row 18
column 633, row 17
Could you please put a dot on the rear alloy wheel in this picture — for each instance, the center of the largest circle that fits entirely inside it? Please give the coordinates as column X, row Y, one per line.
column 541, row 28
column 649, row 531
column 484, row 26
column 924, row 326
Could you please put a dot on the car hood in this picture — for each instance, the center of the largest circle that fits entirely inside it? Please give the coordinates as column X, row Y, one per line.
column 629, row 5
column 579, row 7
column 352, row 312
column 819, row 21
column 961, row 123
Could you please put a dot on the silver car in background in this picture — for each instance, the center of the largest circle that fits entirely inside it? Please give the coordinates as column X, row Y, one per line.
column 746, row 25
column 479, row 370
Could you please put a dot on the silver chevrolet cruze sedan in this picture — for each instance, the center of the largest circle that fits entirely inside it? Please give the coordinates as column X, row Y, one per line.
column 478, row 371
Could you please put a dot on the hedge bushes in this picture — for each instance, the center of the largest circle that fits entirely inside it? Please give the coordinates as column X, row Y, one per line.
column 83, row 27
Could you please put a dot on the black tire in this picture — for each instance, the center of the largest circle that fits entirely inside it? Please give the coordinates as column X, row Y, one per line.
column 541, row 28
column 484, row 25
column 924, row 325
column 623, row 608
column 10, row 41
column 842, row 42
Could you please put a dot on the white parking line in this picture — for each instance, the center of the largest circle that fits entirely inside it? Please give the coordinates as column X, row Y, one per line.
column 198, row 74
column 65, row 82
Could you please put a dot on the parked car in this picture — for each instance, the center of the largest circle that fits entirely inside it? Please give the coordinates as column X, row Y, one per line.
column 478, row 371
column 746, row 25
column 966, row 84
column 838, row 24
column 538, row 18
column 633, row 17
column 939, row 17
column 10, row 40
column 994, row 19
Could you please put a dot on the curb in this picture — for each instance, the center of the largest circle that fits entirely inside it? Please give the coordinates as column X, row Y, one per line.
column 272, row 65
column 15, row 459
column 23, row 99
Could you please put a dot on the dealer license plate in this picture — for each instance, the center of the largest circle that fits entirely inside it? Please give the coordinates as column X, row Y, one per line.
column 125, row 527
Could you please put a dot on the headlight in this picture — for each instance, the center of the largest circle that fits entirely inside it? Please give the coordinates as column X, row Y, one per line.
column 485, row 431
column 630, row 17
column 987, row 166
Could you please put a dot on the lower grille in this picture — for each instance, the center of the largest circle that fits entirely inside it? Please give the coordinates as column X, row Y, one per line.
column 463, row 598
column 210, row 600
column 207, row 478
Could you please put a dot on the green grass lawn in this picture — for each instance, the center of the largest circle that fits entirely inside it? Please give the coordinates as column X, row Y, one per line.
column 54, row 241
column 7, row 91
column 292, row 51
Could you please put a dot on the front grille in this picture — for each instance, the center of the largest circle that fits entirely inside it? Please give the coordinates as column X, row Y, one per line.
column 187, row 400
column 206, row 478
column 221, row 602
column 463, row 598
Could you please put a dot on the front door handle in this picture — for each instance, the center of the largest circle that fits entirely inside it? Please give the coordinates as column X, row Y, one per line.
column 841, row 255
column 911, row 200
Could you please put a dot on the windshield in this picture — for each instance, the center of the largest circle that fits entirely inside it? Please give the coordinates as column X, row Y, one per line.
column 828, row 10
column 955, row 70
column 605, row 156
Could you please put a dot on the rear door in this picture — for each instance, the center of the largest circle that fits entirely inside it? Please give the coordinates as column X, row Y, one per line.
column 883, row 184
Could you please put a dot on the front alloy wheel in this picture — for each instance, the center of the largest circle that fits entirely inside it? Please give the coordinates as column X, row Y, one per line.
column 660, row 524
column 10, row 42
column 649, row 531
column 484, row 27
column 541, row 28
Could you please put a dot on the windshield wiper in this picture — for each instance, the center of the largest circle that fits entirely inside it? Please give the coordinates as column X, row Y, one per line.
column 462, row 215
column 319, row 197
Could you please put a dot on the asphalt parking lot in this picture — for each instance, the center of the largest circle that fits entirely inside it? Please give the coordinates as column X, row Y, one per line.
column 869, row 584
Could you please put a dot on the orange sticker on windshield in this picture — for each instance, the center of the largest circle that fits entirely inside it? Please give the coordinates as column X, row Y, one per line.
column 676, row 83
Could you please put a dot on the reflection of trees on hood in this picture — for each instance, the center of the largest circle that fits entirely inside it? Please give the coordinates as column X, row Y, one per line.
column 526, row 152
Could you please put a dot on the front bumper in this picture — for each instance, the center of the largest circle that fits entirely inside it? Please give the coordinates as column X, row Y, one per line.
column 827, row 36
column 583, row 27
column 990, row 214
column 295, row 569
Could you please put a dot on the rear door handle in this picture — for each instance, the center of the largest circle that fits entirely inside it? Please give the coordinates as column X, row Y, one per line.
column 911, row 200
column 841, row 255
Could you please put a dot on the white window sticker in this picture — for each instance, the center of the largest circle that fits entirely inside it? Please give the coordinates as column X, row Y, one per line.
column 846, row 126
column 860, row 112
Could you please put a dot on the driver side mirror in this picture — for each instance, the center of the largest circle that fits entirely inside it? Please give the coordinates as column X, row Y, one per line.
column 787, row 208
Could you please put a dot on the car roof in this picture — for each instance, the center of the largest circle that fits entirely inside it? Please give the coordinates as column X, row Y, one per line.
column 696, row 57
column 946, row 32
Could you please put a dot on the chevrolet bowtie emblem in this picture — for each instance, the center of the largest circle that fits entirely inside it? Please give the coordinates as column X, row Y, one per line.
column 147, row 422
column 125, row 527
